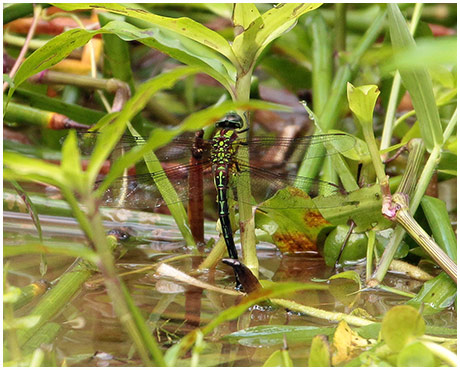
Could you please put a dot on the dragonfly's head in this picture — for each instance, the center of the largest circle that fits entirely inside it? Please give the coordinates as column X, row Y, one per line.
column 231, row 121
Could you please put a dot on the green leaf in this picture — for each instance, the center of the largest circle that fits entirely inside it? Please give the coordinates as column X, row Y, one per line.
column 345, row 286
column 243, row 15
column 279, row 20
column 436, row 213
column 299, row 222
column 415, row 355
column 51, row 53
column 432, row 52
column 66, row 249
column 278, row 358
column 168, row 193
column 355, row 248
column 182, row 26
column 350, row 275
column 436, row 294
column 31, row 169
column 319, row 352
column 363, row 206
column 362, row 100
column 401, row 325
column 417, row 81
column 269, row 335
column 178, row 47
column 30, row 207
column 73, row 111
column 260, row 31
column 71, row 162
column 370, row 331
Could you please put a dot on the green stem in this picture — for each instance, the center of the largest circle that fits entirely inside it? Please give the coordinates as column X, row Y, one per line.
column 321, row 314
column 321, row 63
column 425, row 178
column 11, row 335
column 15, row 40
column 56, row 298
column 368, row 133
column 248, row 236
column 369, row 254
column 410, row 177
column 214, row 256
column 399, row 232
column 126, row 311
column 450, row 127
column 340, row 26
column 442, row 352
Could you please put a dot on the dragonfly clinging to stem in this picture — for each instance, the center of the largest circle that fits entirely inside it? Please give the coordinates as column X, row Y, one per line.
column 226, row 156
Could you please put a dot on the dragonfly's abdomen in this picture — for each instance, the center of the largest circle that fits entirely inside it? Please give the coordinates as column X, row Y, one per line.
column 221, row 182
column 222, row 158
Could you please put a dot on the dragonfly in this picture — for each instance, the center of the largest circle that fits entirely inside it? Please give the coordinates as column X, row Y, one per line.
column 225, row 156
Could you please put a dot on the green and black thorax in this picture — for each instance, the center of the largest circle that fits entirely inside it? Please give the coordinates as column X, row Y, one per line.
column 225, row 143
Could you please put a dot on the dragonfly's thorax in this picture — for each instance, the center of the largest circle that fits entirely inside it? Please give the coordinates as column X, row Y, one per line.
column 223, row 147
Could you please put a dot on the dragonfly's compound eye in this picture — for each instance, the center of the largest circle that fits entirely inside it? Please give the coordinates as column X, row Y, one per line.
column 231, row 121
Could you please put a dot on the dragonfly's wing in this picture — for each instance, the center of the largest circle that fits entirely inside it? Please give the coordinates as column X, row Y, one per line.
column 265, row 184
column 148, row 191
column 277, row 151
column 178, row 150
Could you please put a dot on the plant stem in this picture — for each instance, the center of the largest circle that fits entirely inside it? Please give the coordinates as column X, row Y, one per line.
column 370, row 250
column 321, row 314
column 216, row 254
column 11, row 335
column 126, row 311
column 442, row 352
column 56, row 298
column 25, row 47
column 340, row 26
column 406, row 185
column 404, row 218
column 321, row 63
column 248, row 236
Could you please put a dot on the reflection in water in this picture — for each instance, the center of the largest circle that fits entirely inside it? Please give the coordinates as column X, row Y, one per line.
column 173, row 309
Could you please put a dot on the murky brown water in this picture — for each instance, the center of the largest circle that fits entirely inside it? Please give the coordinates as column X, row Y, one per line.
column 89, row 324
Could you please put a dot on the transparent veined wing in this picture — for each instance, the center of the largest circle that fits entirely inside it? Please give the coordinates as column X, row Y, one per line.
column 265, row 184
column 178, row 150
column 149, row 191
column 270, row 152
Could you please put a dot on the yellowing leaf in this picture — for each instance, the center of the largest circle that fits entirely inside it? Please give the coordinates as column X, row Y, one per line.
column 346, row 344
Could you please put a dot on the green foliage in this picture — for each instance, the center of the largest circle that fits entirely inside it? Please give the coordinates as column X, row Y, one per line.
column 402, row 325
column 268, row 335
column 416, row 81
column 436, row 213
column 279, row 358
column 294, row 221
column 319, row 352
column 435, row 295
column 354, row 249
